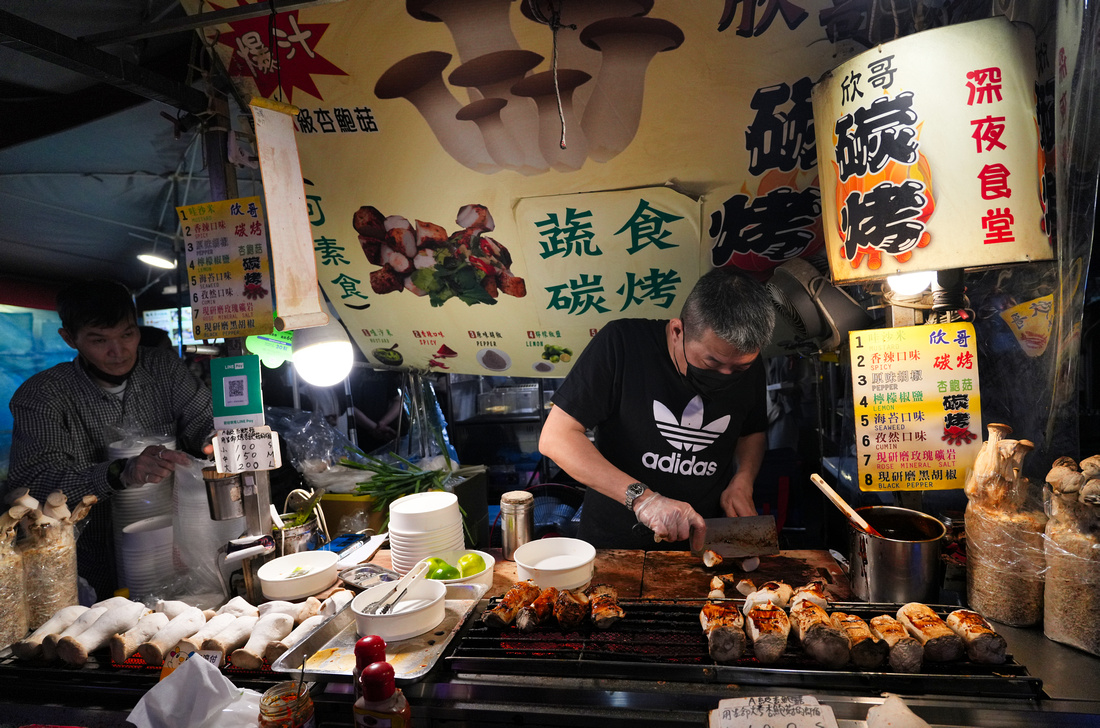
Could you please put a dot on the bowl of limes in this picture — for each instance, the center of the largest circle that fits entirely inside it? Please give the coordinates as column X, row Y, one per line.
column 468, row 566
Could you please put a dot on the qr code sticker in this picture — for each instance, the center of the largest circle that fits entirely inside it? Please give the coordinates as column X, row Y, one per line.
column 236, row 391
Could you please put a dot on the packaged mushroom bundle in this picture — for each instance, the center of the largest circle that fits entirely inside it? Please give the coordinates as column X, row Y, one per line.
column 1072, row 600
column 1004, row 534
column 13, row 595
column 49, row 553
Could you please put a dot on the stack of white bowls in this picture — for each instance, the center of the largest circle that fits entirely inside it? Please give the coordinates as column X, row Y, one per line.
column 145, row 553
column 140, row 502
column 198, row 537
column 423, row 525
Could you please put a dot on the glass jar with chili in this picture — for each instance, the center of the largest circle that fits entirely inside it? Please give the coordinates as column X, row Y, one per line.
column 287, row 705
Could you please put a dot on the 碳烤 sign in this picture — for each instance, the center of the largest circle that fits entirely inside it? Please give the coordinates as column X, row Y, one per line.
column 929, row 156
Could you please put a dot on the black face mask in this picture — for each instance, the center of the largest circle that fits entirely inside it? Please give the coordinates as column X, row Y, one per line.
column 113, row 379
column 707, row 382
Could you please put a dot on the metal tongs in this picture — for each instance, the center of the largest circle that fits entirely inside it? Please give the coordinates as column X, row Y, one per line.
column 400, row 588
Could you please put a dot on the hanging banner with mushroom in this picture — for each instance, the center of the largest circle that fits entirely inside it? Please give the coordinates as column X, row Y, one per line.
column 439, row 137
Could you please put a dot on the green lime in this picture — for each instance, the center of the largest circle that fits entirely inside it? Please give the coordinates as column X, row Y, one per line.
column 444, row 571
column 471, row 564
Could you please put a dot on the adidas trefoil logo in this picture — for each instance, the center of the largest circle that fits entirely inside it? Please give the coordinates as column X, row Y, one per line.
column 688, row 433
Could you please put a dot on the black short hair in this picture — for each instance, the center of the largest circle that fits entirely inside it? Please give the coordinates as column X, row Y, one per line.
column 94, row 303
column 738, row 309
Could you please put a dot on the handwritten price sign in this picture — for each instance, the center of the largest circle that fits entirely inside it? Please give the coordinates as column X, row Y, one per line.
column 247, row 449
column 772, row 712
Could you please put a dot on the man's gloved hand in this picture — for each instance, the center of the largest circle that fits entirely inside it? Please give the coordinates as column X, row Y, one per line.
column 154, row 464
column 671, row 520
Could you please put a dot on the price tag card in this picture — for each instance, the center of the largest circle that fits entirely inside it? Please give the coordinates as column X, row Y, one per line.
column 780, row 711
column 247, row 449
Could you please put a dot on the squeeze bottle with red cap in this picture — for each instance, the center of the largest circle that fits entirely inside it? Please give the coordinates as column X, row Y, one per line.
column 368, row 650
column 382, row 704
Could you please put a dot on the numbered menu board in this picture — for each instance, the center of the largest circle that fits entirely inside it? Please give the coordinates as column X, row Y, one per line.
column 917, row 406
column 228, row 274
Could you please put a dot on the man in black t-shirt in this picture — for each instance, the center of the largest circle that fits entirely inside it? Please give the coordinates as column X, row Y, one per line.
column 678, row 411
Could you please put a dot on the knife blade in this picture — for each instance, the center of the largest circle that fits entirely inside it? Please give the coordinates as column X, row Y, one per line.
column 734, row 538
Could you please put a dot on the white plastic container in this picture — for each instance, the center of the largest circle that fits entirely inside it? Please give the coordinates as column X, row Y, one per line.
column 485, row 576
column 565, row 563
column 424, row 512
column 419, row 611
column 299, row 575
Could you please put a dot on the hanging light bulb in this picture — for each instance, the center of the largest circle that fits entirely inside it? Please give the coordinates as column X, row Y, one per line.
column 322, row 355
column 911, row 284
column 157, row 261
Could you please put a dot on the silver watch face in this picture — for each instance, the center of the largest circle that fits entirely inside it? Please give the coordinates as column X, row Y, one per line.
column 632, row 492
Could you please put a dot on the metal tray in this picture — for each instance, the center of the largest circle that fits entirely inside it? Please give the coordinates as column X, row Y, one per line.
column 329, row 650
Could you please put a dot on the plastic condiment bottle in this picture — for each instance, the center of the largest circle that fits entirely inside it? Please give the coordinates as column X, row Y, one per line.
column 368, row 650
column 382, row 704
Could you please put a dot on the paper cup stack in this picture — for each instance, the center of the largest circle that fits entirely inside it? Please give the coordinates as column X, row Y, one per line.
column 139, row 503
column 145, row 554
column 423, row 525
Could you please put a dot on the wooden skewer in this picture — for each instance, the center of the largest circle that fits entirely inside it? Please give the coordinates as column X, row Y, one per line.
column 854, row 518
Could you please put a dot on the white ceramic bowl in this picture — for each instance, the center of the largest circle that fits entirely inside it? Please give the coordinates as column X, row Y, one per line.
column 485, row 576
column 422, row 512
column 565, row 563
column 299, row 575
column 419, row 611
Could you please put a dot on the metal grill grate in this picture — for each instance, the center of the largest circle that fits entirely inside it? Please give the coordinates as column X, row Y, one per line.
column 664, row 641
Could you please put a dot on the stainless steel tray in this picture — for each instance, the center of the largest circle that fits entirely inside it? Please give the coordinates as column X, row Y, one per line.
column 329, row 650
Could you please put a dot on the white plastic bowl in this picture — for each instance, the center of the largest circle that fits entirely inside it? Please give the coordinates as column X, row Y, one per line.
column 564, row 563
column 420, row 512
column 296, row 576
column 419, row 611
column 485, row 576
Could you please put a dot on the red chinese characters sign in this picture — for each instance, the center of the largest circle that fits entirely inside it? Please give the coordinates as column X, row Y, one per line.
column 929, row 154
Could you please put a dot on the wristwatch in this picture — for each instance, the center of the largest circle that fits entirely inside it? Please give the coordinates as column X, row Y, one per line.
column 632, row 492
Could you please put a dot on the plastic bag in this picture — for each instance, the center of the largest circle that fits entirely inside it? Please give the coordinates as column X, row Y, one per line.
column 196, row 695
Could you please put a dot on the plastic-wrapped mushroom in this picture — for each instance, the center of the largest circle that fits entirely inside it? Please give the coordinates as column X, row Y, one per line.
column 1090, row 493
column 540, row 87
column 477, row 26
column 419, row 80
column 571, row 52
column 502, row 147
column 614, row 110
column 493, row 75
column 1090, row 466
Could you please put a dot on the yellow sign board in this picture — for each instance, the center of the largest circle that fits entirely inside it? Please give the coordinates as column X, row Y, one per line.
column 228, row 272
column 917, row 406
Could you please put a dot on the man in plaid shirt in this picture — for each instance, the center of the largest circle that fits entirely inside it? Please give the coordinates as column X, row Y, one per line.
column 66, row 417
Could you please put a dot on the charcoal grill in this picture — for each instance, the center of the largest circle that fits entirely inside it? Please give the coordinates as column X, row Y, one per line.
column 664, row 641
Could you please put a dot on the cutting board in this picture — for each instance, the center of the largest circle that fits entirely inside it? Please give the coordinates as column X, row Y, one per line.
column 680, row 575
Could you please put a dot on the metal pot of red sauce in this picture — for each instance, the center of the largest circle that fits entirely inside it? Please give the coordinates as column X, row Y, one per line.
column 904, row 564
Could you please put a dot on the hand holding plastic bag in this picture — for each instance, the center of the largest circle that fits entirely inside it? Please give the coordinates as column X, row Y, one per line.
column 671, row 520
column 197, row 695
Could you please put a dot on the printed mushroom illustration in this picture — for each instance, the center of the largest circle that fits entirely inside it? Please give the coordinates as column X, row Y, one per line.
column 614, row 109
column 477, row 26
column 419, row 80
column 540, row 87
column 571, row 52
column 493, row 75
column 498, row 141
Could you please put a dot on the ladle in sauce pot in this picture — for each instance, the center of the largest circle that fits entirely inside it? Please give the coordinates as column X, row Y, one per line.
column 854, row 518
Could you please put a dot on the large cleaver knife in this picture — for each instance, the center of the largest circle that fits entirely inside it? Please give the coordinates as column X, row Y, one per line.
column 736, row 538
